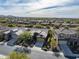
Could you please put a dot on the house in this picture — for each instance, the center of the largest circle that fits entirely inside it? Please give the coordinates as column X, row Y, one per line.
column 70, row 36
column 40, row 32
column 8, row 34
column 14, row 37
column 66, row 34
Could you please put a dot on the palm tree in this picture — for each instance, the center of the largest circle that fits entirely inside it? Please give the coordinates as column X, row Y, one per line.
column 50, row 41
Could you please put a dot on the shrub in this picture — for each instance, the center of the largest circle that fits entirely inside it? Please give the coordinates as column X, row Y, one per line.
column 17, row 55
column 11, row 25
column 29, row 26
column 24, row 37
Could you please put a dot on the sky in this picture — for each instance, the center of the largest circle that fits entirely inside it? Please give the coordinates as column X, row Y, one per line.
column 40, row 8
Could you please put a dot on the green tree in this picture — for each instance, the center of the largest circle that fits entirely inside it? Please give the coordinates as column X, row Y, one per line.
column 17, row 55
column 25, row 37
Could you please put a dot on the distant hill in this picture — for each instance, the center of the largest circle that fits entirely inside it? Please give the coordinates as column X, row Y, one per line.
column 10, row 16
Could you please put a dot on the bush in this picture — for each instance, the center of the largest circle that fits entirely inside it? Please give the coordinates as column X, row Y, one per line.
column 3, row 21
column 11, row 25
column 17, row 55
column 29, row 26
column 24, row 37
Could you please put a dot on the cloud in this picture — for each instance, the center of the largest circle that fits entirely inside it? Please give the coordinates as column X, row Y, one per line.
column 50, row 8
column 71, row 11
